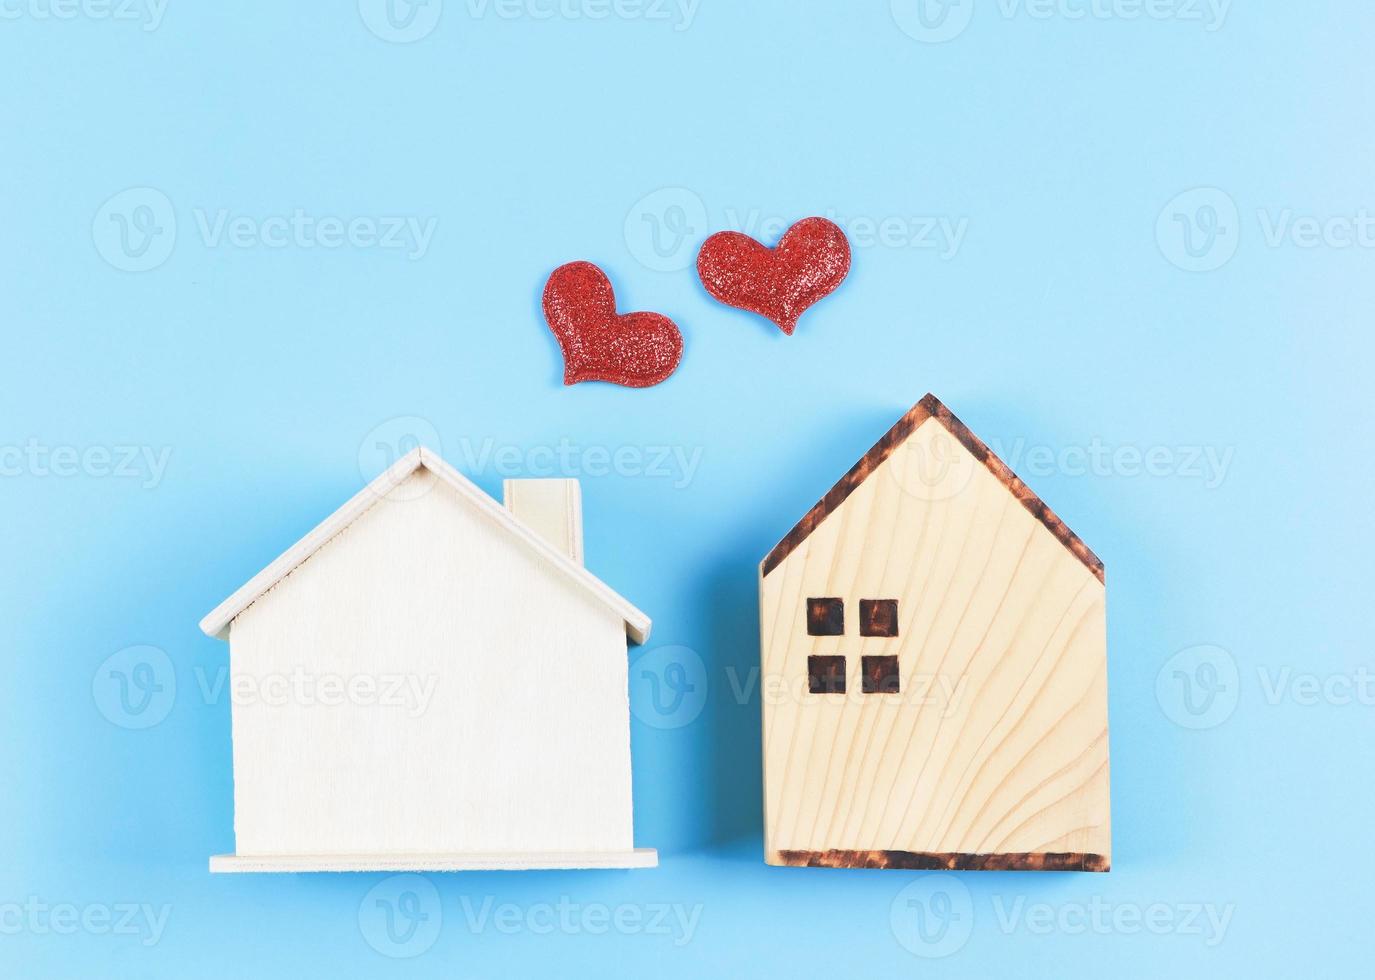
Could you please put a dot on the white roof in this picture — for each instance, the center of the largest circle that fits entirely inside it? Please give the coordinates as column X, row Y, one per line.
column 217, row 622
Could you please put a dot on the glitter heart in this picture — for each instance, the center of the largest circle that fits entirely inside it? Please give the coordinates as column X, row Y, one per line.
column 811, row 260
column 632, row 349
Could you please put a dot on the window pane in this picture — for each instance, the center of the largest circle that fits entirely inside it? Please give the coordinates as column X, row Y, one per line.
column 880, row 675
column 878, row 617
column 825, row 617
column 826, row 675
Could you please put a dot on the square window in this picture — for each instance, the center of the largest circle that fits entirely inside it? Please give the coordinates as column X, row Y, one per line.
column 878, row 617
column 826, row 675
column 880, row 675
column 825, row 617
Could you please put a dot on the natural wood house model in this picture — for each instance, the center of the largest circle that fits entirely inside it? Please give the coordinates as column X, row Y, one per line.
column 940, row 638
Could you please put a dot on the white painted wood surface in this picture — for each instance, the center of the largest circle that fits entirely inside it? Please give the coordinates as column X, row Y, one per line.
column 550, row 507
column 424, row 689
column 643, row 857
column 216, row 623
column 998, row 739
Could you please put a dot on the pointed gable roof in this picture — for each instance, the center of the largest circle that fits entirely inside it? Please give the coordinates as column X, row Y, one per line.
column 928, row 409
column 216, row 624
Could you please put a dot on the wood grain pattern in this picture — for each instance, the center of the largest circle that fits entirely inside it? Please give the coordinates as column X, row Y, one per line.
column 930, row 407
column 994, row 751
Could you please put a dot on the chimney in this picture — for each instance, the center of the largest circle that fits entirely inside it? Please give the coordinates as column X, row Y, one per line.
column 550, row 508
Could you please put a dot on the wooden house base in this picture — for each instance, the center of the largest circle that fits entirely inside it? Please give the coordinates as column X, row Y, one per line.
column 640, row 857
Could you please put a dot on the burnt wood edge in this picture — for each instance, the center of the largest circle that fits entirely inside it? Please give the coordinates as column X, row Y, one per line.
column 937, row 861
column 930, row 407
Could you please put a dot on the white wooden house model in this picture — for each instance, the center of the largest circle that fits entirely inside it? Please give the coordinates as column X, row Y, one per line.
column 432, row 681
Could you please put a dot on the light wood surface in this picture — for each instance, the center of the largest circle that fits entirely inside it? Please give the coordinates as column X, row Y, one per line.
column 994, row 752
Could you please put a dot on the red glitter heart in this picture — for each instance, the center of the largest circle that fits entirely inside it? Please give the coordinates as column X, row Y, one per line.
column 632, row 349
column 811, row 260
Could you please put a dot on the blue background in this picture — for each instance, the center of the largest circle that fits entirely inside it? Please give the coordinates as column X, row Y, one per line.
column 1073, row 313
